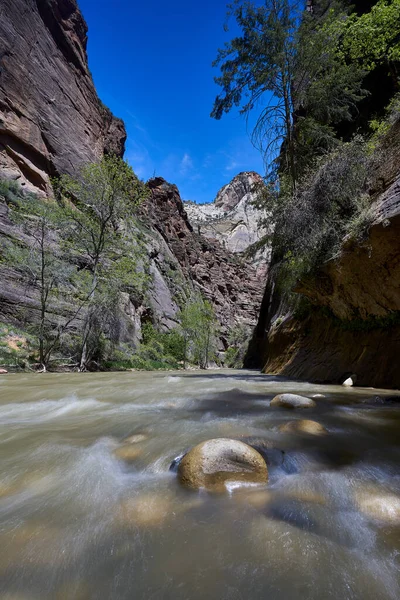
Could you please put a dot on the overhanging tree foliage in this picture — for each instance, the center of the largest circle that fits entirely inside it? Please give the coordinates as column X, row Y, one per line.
column 318, row 60
column 372, row 38
column 258, row 69
column 285, row 66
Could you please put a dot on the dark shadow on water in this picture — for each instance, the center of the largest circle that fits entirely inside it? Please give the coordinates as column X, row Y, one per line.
column 246, row 375
column 233, row 403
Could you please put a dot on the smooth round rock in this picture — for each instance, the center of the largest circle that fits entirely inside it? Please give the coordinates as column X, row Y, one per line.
column 216, row 463
column 304, row 426
column 349, row 379
column 272, row 456
column 292, row 401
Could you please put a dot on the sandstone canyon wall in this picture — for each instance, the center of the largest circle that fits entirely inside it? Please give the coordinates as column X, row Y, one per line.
column 353, row 323
column 51, row 119
column 233, row 287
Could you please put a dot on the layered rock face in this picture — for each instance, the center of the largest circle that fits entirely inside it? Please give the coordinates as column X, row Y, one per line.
column 51, row 120
column 232, row 218
column 204, row 264
column 361, row 292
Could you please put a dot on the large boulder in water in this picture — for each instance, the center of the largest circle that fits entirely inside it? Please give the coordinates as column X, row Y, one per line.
column 303, row 426
column 292, row 401
column 215, row 463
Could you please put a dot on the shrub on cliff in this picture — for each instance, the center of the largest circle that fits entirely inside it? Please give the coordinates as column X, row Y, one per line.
column 328, row 205
column 238, row 342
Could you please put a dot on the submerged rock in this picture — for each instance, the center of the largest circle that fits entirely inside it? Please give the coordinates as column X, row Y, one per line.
column 215, row 463
column 258, row 499
column 305, row 495
column 78, row 590
column 303, row 426
column 292, row 401
column 136, row 438
column 378, row 504
column 145, row 510
column 128, row 452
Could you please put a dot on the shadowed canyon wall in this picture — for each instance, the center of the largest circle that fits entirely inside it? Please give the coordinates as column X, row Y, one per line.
column 353, row 324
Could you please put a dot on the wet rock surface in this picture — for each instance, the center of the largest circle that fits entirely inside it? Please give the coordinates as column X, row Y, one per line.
column 215, row 463
column 292, row 401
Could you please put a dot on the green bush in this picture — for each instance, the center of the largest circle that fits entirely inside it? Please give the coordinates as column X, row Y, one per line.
column 174, row 345
column 231, row 358
column 10, row 190
column 329, row 205
column 157, row 351
column 238, row 340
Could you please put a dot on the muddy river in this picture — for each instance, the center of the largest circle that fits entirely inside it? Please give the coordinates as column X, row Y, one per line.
column 85, row 515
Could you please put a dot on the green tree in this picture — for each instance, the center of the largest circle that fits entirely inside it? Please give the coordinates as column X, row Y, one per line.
column 259, row 67
column 198, row 324
column 39, row 259
column 328, row 87
column 285, row 65
column 101, row 230
column 238, row 341
column 372, row 38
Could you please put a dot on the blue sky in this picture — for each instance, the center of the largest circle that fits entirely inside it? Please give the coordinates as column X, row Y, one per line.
column 151, row 63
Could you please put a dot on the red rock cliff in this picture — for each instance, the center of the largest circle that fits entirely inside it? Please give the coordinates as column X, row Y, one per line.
column 51, row 119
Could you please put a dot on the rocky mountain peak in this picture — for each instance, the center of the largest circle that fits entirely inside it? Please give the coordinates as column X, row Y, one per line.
column 233, row 219
column 242, row 188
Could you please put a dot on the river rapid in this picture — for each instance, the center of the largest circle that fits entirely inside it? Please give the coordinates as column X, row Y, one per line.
column 84, row 516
